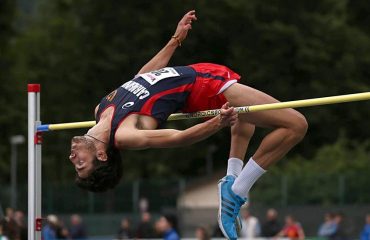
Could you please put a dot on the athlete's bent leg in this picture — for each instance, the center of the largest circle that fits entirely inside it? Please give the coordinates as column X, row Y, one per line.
column 289, row 126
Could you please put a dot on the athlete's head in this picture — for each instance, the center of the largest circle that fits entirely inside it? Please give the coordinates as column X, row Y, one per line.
column 98, row 167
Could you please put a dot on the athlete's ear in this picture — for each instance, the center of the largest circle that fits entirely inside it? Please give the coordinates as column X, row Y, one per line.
column 101, row 155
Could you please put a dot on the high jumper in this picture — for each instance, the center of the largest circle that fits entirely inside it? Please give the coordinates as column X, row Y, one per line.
column 129, row 118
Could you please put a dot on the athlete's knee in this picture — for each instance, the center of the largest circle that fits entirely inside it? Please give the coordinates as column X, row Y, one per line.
column 243, row 129
column 299, row 127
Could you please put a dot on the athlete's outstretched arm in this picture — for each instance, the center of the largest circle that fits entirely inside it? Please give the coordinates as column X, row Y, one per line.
column 168, row 138
column 162, row 58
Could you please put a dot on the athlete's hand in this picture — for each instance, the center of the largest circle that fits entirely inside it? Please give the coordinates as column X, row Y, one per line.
column 185, row 25
column 228, row 115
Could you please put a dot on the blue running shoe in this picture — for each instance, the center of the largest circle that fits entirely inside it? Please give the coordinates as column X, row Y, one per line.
column 229, row 207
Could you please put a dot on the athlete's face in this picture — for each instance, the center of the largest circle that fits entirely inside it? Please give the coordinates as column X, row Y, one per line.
column 82, row 155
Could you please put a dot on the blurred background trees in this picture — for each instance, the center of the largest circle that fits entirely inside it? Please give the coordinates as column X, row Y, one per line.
column 82, row 49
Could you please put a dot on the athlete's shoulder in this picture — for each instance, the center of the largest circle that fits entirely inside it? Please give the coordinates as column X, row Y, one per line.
column 96, row 110
column 184, row 69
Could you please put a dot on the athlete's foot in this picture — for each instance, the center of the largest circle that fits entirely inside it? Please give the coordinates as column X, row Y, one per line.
column 229, row 207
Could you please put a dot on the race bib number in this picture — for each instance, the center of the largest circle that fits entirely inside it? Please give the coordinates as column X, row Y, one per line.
column 158, row 75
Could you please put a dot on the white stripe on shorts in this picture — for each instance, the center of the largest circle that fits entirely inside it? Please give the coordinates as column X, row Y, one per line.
column 227, row 84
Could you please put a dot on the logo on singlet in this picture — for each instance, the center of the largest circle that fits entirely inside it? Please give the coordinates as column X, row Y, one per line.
column 111, row 95
column 127, row 105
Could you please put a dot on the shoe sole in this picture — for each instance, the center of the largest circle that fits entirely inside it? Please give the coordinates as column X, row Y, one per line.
column 219, row 210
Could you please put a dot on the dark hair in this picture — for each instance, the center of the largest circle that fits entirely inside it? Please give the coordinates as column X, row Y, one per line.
column 205, row 233
column 172, row 220
column 106, row 174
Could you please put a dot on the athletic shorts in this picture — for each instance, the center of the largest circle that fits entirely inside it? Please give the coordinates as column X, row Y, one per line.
column 210, row 83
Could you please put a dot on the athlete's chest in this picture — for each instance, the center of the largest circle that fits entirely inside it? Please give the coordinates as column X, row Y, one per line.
column 137, row 121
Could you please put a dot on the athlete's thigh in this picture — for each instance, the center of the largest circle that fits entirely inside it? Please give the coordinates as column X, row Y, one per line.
column 242, row 95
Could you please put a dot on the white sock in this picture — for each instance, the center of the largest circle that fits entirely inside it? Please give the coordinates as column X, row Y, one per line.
column 234, row 166
column 248, row 176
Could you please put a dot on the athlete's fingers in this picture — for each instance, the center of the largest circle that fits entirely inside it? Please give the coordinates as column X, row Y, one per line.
column 232, row 121
column 191, row 13
column 228, row 117
column 233, row 117
column 229, row 111
column 188, row 17
column 192, row 16
column 225, row 106
column 188, row 21
column 226, row 110
column 234, row 113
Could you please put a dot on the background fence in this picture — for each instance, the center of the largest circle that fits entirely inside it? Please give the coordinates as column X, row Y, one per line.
column 162, row 193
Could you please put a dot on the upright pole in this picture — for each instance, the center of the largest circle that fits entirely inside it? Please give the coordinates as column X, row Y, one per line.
column 34, row 208
column 38, row 184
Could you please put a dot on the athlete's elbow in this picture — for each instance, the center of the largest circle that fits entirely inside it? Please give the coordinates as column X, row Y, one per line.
column 120, row 144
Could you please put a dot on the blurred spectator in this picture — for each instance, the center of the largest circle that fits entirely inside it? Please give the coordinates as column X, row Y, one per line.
column 143, row 205
column 21, row 225
column 167, row 225
column 328, row 227
column 341, row 231
column 201, row 233
column 251, row 227
column 272, row 226
column 61, row 231
column 2, row 236
column 292, row 229
column 77, row 229
column 9, row 225
column 125, row 231
column 365, row 234
column 145, row 228
column 49, row 231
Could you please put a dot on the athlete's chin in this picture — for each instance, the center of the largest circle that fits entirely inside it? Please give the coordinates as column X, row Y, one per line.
column 81, row 176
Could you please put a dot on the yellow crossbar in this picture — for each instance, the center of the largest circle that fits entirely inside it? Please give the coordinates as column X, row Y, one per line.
column 256, row 108
column 72, row 125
